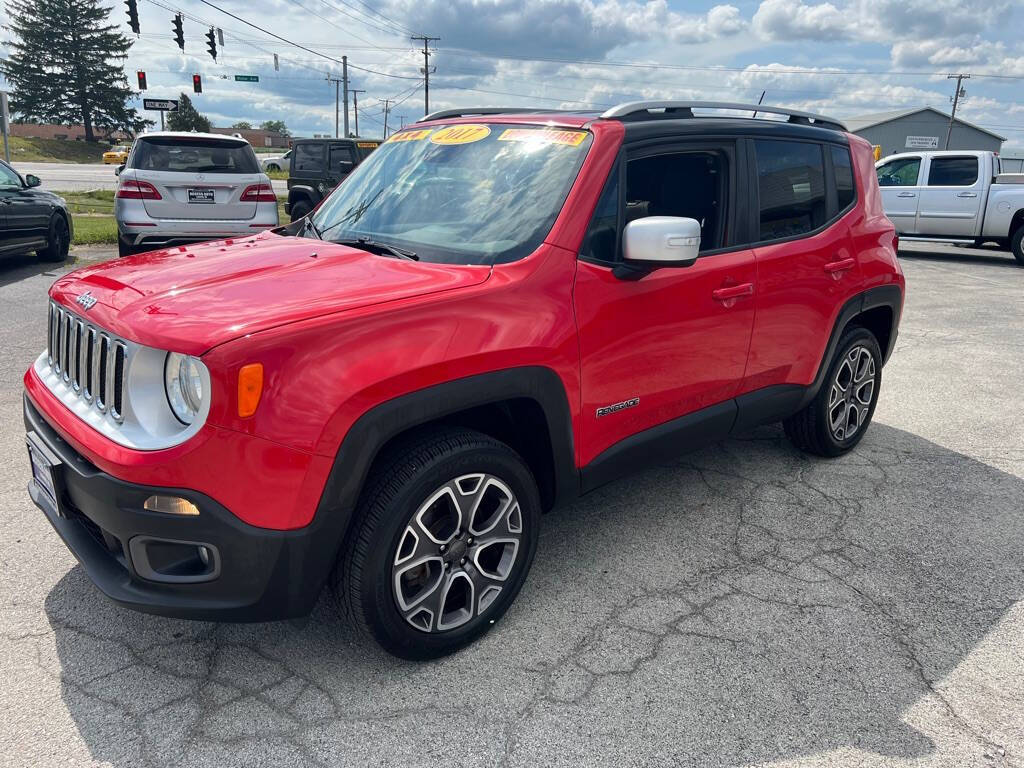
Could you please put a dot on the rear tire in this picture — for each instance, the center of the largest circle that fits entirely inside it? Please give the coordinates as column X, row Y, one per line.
column 839, row 415
column 124, row 249
column 441, row 543
column 300, row 209
column 273, row 167
column 1017, row 245
column 58, row 242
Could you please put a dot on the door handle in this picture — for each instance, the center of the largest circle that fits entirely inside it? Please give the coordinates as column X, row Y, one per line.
column 840, row 266
column 733, row 292
column 907, row 194
column 968, row 194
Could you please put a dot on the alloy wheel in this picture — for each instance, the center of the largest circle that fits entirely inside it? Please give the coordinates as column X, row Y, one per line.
column 851, row 393
column 457, row 552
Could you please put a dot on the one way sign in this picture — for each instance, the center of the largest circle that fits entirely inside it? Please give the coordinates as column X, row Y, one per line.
column 160, row 105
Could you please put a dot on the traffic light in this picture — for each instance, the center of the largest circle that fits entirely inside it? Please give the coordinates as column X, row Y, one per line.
column 197, row 83
column 142, row 80
column 133, row 15
column 179, row 33
column 211, row 43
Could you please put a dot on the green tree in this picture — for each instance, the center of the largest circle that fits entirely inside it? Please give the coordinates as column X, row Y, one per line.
column 277, row 126
column 187, row 118
column 66, row 66
column 242, row 125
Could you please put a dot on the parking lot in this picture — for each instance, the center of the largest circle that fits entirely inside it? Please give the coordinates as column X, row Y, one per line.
column 743, row 605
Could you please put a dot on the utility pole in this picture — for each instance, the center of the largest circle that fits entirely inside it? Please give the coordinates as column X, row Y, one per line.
column 355, row 105
column 426, row 69
column 956, row 102
column 387, row 108
column 337, row 82
column 344, row 77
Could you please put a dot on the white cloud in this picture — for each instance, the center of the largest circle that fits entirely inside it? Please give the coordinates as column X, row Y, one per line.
column 796, row 20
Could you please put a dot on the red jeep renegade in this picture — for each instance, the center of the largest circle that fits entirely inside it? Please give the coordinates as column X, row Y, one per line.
column 497, row 312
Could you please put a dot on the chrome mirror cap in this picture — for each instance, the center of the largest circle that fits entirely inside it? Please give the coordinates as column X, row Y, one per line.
column 662, row 240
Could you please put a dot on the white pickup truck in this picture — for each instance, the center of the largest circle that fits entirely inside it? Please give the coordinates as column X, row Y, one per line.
column 953, row 197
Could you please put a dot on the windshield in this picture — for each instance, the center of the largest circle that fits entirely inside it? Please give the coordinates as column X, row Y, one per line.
column 460, row 194
column 185, row 154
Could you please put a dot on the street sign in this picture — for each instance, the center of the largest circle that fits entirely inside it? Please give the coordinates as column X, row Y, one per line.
column 247, row 78
column 160, row 105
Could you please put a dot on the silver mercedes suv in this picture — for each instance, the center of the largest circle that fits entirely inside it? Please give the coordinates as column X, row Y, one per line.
column 181, row 188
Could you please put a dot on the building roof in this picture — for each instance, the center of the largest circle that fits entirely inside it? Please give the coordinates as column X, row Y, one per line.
column 861, row 122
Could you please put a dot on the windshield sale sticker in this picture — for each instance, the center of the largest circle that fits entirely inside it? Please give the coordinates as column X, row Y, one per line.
column 410, row 135
column 569, row 138
column 460, row 134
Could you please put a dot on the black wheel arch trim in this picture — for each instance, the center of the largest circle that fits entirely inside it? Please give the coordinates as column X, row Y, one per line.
column 372, row 431
column 891, row 296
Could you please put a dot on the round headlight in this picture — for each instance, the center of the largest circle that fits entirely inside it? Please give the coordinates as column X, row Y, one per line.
column 183, row 381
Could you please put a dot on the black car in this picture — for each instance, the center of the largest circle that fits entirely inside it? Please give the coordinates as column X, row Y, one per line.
column 318, row 166
column 32, row 219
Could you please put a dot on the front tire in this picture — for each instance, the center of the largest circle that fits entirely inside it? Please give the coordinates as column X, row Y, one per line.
column 442, row 542
column 839, row 415
column 1017, row 245
column 300, row 209
column 58, row 242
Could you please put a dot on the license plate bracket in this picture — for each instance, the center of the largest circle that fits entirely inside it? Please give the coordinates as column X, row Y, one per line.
column 201, row 196
column 46, row 471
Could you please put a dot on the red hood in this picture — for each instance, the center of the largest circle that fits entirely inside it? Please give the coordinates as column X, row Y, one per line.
column 189, row 299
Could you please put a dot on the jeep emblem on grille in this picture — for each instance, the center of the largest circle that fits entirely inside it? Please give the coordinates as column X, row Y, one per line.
column 86, row 300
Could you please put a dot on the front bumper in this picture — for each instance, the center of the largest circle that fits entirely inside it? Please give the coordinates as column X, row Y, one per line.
column 255, row 574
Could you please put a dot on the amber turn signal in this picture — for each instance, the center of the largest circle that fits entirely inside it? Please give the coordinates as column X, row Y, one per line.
column 250, row 387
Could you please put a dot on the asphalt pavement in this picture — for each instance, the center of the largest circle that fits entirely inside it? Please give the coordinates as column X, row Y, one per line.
column 81, row 177
column 742, row 605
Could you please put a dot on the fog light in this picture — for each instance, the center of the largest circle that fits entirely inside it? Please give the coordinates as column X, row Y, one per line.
column 171, row 505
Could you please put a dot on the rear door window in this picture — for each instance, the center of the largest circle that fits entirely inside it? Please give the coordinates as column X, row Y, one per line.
column 308, row 157
column 791, row 187
column 194, row 155
column 341, row 158
column 953, row 172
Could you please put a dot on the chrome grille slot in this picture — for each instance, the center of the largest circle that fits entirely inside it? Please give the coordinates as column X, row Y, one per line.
column 91, row 362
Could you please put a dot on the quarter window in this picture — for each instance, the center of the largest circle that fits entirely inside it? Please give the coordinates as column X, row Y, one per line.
column 791, row 185
column 899, row 173
column 309, row 157
column 842, row 167
column 953, row 172
column 601, row 241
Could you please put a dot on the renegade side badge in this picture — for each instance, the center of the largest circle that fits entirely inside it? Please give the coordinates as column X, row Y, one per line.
column 616, row 407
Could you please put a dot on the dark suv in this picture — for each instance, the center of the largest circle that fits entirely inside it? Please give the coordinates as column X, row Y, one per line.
column 318, row 166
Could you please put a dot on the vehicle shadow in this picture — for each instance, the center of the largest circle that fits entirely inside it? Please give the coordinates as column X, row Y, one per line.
column 985, row 255
column 742, row 605
column 13, row 269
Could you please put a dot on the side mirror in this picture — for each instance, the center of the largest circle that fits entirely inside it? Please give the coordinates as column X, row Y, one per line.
column 117, row 171
column 662, row 241
column 32, row 180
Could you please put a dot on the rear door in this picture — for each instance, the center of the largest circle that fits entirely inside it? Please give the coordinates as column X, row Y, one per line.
column 951, row 196
column 197, row 178
column 806, row 266
column 900, row 182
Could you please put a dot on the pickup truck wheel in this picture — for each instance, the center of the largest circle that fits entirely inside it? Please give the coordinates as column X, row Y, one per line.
column 839, row 415
column 442, row 543
column 1017, row 245
column 300, row 209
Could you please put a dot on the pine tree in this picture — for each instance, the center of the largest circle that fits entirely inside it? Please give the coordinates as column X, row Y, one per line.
column 187, row 117
column 66, row 66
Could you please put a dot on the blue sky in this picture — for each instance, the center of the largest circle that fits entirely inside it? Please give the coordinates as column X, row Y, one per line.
column 844, row 57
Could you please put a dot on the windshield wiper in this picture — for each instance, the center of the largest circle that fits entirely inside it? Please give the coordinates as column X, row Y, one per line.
column 375, row 246
column 311, row 226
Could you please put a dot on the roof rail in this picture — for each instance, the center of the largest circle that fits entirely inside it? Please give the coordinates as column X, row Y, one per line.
column 684, row 109
column 469, row 111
